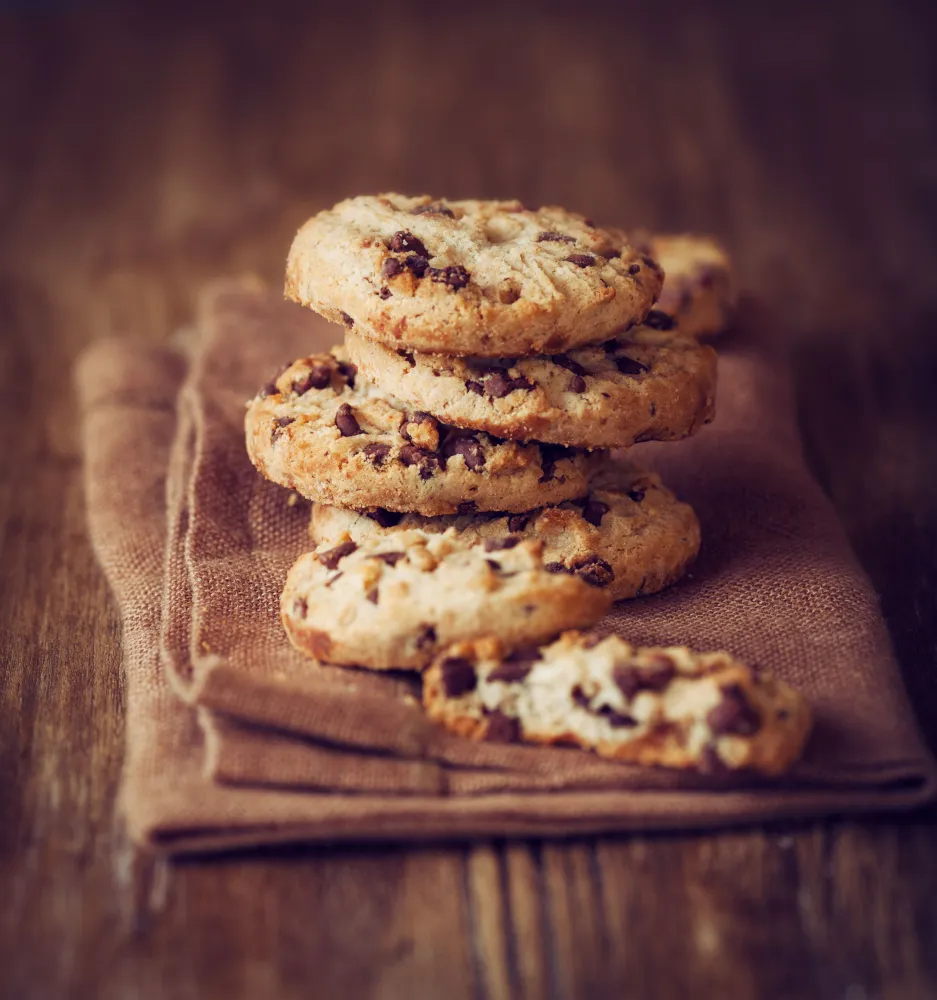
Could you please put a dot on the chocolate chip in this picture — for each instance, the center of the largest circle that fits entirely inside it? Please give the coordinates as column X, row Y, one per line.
column 404, row 242
column 376, row 452
column 636, row 494
column 499, row 385
column 453, row 276
column 557, row 567
column 427, row 461
column 391, row 267
column 425, row 638
column 434, row 208
column 270, row 389
column 475, row 387
column 501, row 728
column 345, row 421
column 634, row 268
column 417, row 264
column 579, row 697
column 391, row 558
column 371, row 595
column 348, row 371
column 652, row 264
column 496, row 566
column 347, row 320
column 610, row 253
column 318, row 377
column 733, row 714
column 385, row 292
column 564, row 361
column 632, row 679
column 512, row 671
column 467, row 507
column 417, row 417
column 284, row 421
column 628, row 366
column 332, row 557
column 618, row 720
column 594, row 571
column 550, row 454
column 300, row 607
column 278, row 426
column 657, row 319
column 385, row 518
column 458, row 676
column 408, row 357
column 594, row 510
column 499, row 544
column 467, row 445
column 577, row 384
column 581, row 259
column 551, row 237
column 517, row 522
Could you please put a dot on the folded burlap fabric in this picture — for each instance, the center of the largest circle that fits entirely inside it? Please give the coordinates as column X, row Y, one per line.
column 233, row 738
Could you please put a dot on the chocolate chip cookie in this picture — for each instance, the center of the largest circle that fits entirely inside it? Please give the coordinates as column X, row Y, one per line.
column 628, row 533
column 321, row 430
column 666, row 707
column 644, row 384
column 483, row 278
column 394, row 602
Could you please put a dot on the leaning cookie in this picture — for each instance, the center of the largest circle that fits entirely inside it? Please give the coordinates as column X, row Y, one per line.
column 628, row 532
column 487, row 278
column 696, row 299
column 641, row 385
column 335, row 439
column 666, row 707
column 394, row 602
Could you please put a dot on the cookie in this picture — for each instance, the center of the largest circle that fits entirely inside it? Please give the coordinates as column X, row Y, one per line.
column 628, row 531
column 395, row 602
column 696, row 298
column 485, row 278
column 667, row 707
column 641, row 385
column 329, row 435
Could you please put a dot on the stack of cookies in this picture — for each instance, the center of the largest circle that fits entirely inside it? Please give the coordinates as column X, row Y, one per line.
column 467, row 509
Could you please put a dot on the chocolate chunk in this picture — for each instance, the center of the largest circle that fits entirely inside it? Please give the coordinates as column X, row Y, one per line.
column 577, row 384
column 500, row 385
column 634, row 268
column 594, row 571
column 348, row 371
column 458, row 676
column 300, row 607
column 733, row 714
column 385, row 518
column 417, row 264
column 466, row 444
column 550, row 454
column 564, row 361
column 318, row 377
column 628, row 366
column 345, row 421
column 404, row 242
column 376, row 452
column 581, row 259
column 453, row 276
column 371, row 595
column 579, row 697
column 501, row 728
column 632, row 679
column 551, row 237
column 467, row 507
column 636, row 494
column 517, row 522
column 428, row 461
column 475, row 387
column 425, row 638
column 594, row 510
column 347, row 320
column 385, row 292
column 498, row 544
column 391, row 558
column 433, row 208
column 391, row 267
column 618, row 720
column 657, row 319
column 332, row 557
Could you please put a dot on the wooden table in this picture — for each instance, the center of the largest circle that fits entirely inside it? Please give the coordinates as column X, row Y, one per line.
column 145, row 152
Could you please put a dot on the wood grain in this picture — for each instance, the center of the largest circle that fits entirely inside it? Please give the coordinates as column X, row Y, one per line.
column 147, row 149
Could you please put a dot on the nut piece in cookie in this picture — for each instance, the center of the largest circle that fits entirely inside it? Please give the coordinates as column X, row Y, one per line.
column 668, row 707
column 395, row 602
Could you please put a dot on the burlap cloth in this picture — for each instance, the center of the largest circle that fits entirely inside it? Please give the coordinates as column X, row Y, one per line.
column 233, row 739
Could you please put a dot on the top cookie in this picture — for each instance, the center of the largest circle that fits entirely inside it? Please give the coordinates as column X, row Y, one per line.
column 483, row 278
